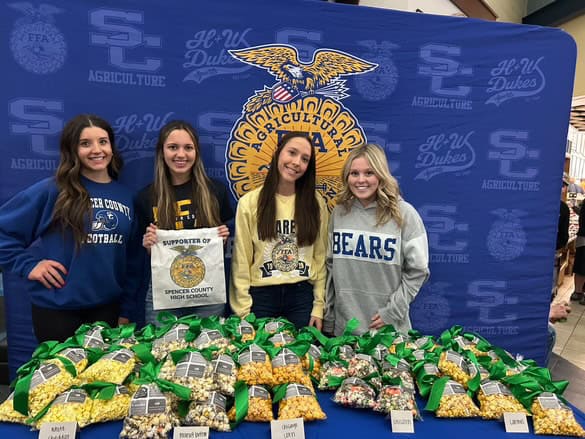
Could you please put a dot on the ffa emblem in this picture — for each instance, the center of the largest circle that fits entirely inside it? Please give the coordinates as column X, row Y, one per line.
column 285, row 254
column 305, row 98
column 36, row 44
column 187, row 270
column 431, row 311
column 383, row 81
column 506, row 239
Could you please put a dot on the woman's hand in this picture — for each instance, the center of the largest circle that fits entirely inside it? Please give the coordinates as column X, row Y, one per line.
column 149, row 239
column 49, row 273
column 376, row 322
column 223, row 232
column 316, row 322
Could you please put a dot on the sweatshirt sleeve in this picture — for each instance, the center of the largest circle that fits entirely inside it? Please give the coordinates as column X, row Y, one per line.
column 242, row 258
column 329, row 312
column 415, row 268
column 23, row 219
column 319, row 261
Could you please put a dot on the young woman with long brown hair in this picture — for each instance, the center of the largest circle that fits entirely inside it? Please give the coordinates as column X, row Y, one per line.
column 81, row 221
column 182, row 196
column 278, row 260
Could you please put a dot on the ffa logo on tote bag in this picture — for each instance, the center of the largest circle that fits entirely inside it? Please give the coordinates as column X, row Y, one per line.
column 187, row 269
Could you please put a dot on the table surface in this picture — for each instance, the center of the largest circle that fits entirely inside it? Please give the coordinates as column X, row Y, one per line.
column 341, row 423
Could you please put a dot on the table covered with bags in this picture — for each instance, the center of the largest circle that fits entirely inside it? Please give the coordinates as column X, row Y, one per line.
column 235, row 376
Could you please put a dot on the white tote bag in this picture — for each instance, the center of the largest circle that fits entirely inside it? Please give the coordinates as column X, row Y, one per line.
column 187, row 269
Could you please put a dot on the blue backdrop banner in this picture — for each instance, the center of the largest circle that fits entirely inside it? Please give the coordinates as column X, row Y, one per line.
column 473, row 116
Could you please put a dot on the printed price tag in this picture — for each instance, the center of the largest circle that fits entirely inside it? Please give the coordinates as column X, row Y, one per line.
column 58, row 430
column 401, row 421
column 191, row 433
column 287, row 429
column 516, row 423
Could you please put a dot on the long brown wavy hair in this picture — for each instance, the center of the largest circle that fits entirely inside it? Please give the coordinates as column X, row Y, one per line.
column 307, row 214
column 388, row 193
column 72, row 208
column 205, row 203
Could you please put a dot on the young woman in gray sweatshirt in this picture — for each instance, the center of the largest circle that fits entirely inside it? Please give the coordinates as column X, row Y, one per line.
column 378, row 251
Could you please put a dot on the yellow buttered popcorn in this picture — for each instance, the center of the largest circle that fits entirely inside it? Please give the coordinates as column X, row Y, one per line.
column 77, row 356
column 495, row 399
column 300, row 402
column 311, row 361
column 454, row 365
column 114, row 409
column 552, row 416
column 113, row 367
column 48, row 381
column 8, row 414
column 71, row 406
column 259, row 406
column 456, row 403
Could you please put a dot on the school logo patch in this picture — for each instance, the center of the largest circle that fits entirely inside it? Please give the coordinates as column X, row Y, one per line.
column 307, row 98
column 36, row 44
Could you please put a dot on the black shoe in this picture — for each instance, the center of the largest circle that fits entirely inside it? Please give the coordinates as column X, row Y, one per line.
column 582, row 301
column 577, row 296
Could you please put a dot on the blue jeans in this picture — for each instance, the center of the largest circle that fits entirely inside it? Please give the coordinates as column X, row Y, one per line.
column 291, row 301
column 201, row 311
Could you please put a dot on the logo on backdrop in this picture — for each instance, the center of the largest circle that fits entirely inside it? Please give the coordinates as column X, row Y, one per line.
column 136, row 134
column 444, row 153
column 380, row 83
column 36, row 44
column 121, row 33
column 307, row 97
column 448, row 239
column 506, row 239
column 41, row 121
column 491, row 298
column 439, row 63
column 430, row 310
column 515, row 78
column 510, row 149
column 207, row 54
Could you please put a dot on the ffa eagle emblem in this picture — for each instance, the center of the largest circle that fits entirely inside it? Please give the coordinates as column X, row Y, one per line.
column 187, row 270
column 306, row 97
column 285, row 254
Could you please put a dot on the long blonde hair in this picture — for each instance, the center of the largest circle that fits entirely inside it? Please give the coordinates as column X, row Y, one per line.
column 205, row 203
column 388, row 192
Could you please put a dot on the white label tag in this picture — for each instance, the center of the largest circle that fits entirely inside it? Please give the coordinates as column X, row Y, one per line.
column 516, row 423
column 58, row 430
column 402, row 421
column 191, row 433
column 287, row 429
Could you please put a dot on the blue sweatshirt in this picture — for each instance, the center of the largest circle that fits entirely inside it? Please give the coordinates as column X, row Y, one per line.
column 98, row 272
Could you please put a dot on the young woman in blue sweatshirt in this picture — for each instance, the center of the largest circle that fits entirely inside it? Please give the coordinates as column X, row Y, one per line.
column 70, row 235
column 182, row 196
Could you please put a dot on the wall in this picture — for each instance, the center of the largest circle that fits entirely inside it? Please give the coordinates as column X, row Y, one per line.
column 509, row 11
column 576, row 28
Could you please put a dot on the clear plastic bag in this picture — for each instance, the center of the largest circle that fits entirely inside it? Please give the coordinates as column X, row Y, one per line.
column 210, row 413
column 495, row 399
column 392, row 397
column 300, row 402
column 259, row 406
column 552, row 416
column 71, row 406
column 356, row 393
